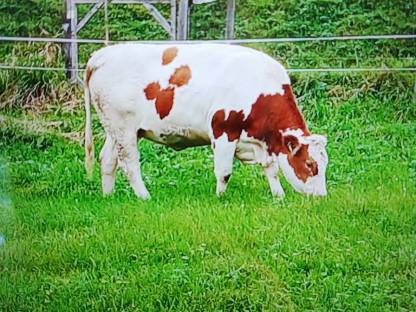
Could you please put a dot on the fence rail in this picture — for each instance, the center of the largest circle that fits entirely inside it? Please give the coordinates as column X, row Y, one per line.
column 231, row 41
column 291, row 70
column 226, row 41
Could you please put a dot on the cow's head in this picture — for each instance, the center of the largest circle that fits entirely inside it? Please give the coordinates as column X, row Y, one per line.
column 303, row 162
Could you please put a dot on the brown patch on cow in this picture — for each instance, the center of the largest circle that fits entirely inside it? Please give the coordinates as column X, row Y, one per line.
column 169, row 55
column 269, row 116
column 165, row 97
column 233, row 125
column 88, row 73
column 181, row 76
column 152, row 90
column 164, row 102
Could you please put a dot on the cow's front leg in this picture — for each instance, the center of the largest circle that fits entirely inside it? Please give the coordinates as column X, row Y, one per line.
column 223, row 161
column 129, row 162
column 271, row 172
column 108, row 161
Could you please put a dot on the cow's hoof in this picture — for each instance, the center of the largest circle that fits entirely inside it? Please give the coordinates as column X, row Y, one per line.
column 220, row 193
column 221, row 187
column 278, row 198
column 278, row 195
column 144, row 195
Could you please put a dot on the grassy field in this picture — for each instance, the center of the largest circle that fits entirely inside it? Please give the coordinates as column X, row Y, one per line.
column 69, row 249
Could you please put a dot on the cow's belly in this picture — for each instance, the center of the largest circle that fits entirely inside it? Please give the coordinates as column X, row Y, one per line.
column 252, row 151
column 177, row 139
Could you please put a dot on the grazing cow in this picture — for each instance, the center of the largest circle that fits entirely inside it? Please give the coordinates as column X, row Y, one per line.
column 236, row 99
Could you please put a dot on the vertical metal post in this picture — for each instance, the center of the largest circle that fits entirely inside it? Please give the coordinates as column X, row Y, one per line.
column 178, row 26
column 71, row 49
column 230, row 19
column 74, row 45
column 188, row 20
column 67, row 33
column 173, row 19
column 106, row 34
column 183, row 20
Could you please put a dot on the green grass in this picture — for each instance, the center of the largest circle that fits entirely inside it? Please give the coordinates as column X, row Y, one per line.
column 69, row 249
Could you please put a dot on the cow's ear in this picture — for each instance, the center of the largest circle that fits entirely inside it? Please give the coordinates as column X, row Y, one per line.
column 292, row 144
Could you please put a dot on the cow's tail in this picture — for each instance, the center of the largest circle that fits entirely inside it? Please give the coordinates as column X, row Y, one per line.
column 89, row 142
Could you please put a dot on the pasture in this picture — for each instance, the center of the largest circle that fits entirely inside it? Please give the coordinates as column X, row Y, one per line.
column 66, row 248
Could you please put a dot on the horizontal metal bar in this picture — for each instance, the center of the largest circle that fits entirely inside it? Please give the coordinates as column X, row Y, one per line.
column 202, row 1
column 31, row 68
column 123, row 1
column 55, row 40
column 235, row 41
column 346, row 70
column 291, row 70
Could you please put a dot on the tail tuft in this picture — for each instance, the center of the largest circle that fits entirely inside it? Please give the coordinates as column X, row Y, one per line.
column 89, row 144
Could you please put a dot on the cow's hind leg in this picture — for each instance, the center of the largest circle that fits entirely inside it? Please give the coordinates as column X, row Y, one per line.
column 271, row 173
column 108, row 161
column 223, row 161
column 128, row 160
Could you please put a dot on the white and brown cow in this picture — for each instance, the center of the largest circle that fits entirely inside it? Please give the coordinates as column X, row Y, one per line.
column 236, row 99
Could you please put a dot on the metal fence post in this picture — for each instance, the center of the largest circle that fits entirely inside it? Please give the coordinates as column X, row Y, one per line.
column 229, row 34
column 183, row 20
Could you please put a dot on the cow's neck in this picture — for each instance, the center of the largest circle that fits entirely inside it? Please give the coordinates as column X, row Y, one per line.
column 285, row 112
column 271, row 116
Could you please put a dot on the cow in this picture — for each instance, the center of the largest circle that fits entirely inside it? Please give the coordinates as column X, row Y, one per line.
column 234, row 98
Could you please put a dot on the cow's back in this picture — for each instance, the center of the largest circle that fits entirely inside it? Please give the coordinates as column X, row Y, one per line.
column 168, row 88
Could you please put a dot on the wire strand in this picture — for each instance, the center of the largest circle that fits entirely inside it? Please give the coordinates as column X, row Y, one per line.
column 291, row 70
column 233, row 41
column 31, row 68
column 323, row 70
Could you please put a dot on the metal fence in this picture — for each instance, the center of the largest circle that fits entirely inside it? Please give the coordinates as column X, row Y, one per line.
column 226, row 41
